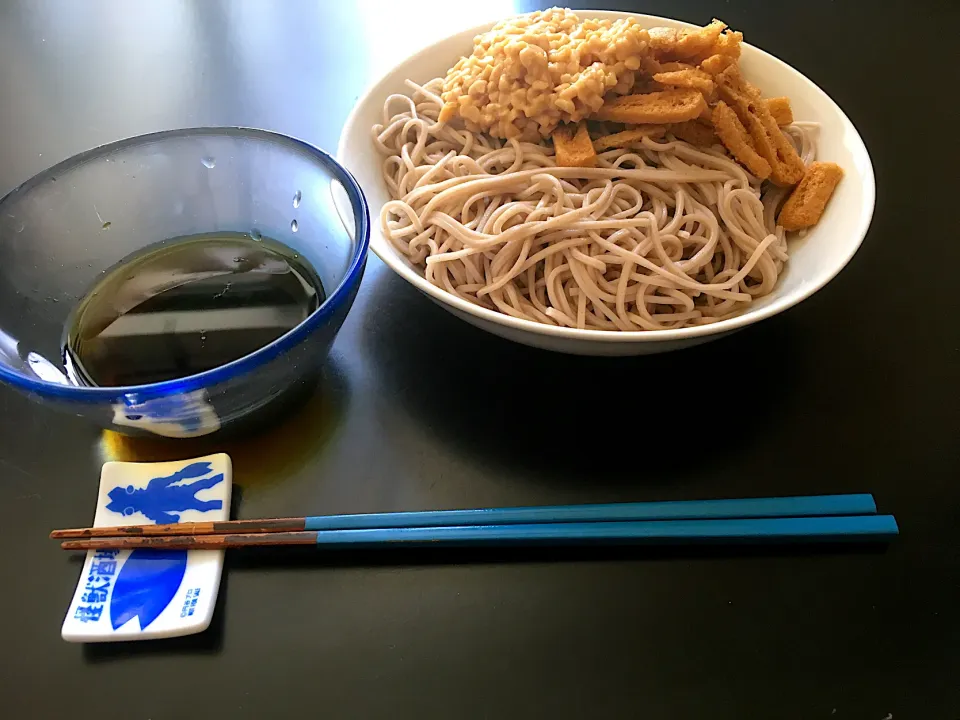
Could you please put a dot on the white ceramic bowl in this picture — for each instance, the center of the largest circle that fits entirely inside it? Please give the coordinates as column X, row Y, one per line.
column 814, row 259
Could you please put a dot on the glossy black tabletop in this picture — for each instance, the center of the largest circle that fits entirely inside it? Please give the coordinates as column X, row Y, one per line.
column 857, row 389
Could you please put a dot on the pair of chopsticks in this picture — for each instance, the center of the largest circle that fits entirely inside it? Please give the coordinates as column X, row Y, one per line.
column 821, row 518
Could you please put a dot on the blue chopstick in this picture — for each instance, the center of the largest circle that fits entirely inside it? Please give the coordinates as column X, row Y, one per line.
column 817, row 518
column 803, row 506
column 830, row 528
column 758, row 530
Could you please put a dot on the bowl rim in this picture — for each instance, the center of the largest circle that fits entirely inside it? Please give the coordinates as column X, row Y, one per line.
column 747, row 317
column 251, row 361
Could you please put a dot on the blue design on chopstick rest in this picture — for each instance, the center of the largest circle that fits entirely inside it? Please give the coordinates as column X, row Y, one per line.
column 151, row 593
column 102, row 570
column 150, row 579
column 190, row 602
column 163, row 497
column 147, row 583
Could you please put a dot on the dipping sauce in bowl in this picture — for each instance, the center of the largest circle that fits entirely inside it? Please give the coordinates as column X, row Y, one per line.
column 179, row 283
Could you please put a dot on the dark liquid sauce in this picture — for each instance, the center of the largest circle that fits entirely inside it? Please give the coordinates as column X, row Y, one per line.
column 186, row 306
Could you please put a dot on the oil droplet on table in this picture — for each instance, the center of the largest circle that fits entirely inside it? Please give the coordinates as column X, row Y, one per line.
column 296, row 199
column 294, row 225
column 209, row 162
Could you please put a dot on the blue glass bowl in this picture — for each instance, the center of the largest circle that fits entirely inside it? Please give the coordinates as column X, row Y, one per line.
column 60, row 230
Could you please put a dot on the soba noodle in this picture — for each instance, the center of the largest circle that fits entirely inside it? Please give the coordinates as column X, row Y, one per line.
column 663, row 236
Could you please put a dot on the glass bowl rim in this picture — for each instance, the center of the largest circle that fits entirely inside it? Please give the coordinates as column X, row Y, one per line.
column 259, row 357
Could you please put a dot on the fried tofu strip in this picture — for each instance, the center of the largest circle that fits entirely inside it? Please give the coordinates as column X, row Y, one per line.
column 574, row 150
column 732, row 79
column 735, row 138
column 688, row 78
column 786, row 167
column 663, row 41
column 808, row 200
column 695, row 132
column 780, row 108
column 666, row 106
column 716, row 64
column 628, row 137
column 728, row 44
column 680, row 44
column 695, row 45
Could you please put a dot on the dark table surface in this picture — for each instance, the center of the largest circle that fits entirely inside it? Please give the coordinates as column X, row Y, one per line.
column 855, row 390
